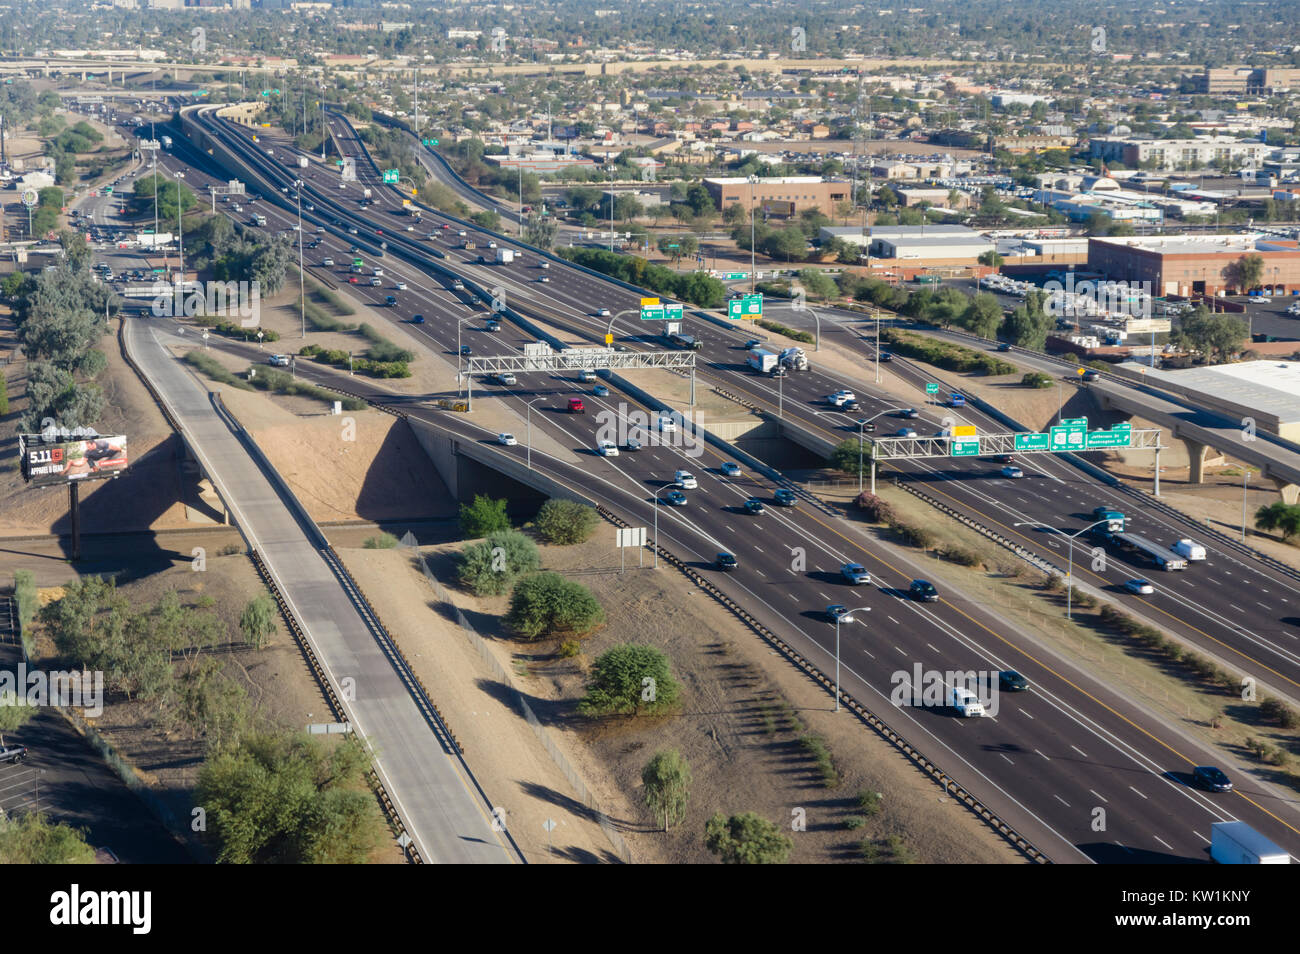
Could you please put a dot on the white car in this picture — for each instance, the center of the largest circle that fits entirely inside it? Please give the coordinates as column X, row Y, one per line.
column 855, row 573
column 840, row 398
column 492, row 244
column 507, row 439
column 1140, row 587
column 686, row 480
column 607, row 449
column 401, row 286
column 279, row 360
column 666, row 423
column 731, row 469
column 602, row 313
column 1011, row 471
column 965, row 702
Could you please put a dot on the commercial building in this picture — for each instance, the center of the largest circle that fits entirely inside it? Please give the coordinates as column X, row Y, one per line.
column 1180, row 153
column 781, row 195
column 947, row 244
column 1193, row 264
column 1241, row 79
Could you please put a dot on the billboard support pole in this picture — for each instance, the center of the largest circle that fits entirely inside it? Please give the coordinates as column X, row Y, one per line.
column 74, row 505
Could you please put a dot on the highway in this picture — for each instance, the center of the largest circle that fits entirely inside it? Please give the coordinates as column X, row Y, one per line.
column 1044, row 762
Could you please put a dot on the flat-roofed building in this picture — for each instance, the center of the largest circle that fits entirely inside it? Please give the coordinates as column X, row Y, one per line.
column 788, row 195
column 1193, row 264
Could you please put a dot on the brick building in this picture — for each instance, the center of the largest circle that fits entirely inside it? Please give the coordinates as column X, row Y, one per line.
column 782, row 195
column 1194, row 264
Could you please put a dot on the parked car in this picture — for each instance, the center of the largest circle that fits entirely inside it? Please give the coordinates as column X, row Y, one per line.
column 13, row 754
column 923, row 591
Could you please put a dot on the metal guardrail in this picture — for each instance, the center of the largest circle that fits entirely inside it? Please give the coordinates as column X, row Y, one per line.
column 949, row 784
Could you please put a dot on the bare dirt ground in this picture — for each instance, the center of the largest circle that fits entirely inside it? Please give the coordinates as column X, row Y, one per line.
column 742, row 713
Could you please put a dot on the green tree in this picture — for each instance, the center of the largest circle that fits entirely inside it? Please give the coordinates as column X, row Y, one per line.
column 982, row 316
column 565, row 522
column 746, row 839
column 257, row 622
column 845, row 456
column 287, row 798
column 1215, row 336
column 540, row 230
column 487, row 219
column 1246, row 273
column 1280, row 517
column 667, row 782
column 32, row 839
column 485, row 515
column 547, row 603
column 14, row 714
column 991, row 259
column 817, row 283
column 630, row 680
column 490, row 567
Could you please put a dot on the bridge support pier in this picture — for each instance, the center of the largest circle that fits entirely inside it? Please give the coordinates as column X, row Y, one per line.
column 1197, row 458
column 1290, row 492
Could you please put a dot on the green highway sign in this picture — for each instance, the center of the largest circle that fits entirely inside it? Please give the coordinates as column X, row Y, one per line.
column 391, row 175
column 750, row 306
column 1033, row 442
column 429, row 142
column 1121, row 435
column 734, row 276
column 1070, row 434
column 965, row 447
column 652, row 312
column 932, row 389
column 108, row 190
column 672, row 312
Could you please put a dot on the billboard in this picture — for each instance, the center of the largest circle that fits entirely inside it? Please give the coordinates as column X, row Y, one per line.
column 63, row 460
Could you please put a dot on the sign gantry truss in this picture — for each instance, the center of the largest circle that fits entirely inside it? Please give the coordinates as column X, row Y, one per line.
column 582, row 359
column 986, row 445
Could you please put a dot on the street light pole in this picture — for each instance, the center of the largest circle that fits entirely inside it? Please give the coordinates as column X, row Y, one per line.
column 672, row 486
column 1069, row 578
column 528, row 416
column 752, row 180
column 877, row 347
column 1245, row 479
column 860, row 609
column 302, row 276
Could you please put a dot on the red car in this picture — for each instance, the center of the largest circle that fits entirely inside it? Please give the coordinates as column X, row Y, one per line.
column 352, row 279
column 576, row 406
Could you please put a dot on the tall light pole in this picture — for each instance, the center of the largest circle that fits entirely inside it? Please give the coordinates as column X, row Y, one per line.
column 1245, row 479
column 528, row 417
column 849, row 614
column 302, row 275
column 752, row 213
column 862, row 440
column 180, row 231
column 460, row 357
column 672, row 486
column 1069, row 578
column 877, row 345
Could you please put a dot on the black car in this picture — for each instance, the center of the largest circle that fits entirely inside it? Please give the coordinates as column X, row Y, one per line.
column 1011, row 681
column 754, row 505
column 1211, row 779
column 886, row 357
column 417, row 320
column 1090, row 375
column 1004, row 346
column 923, row 591
column 725, row 561
column 390, row 300
column 465, row 350
column 785, row 498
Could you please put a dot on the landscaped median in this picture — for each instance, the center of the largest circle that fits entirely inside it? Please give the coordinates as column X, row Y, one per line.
column 944, row 354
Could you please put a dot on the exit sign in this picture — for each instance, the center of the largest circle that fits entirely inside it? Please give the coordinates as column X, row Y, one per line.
column 429, row 142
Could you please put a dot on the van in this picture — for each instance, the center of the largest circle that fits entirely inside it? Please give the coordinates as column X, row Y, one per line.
column 586, row 375
column 965, row 702
column 1186, row 547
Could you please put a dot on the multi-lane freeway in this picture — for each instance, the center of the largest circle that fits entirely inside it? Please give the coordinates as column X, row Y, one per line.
column 1045, row 762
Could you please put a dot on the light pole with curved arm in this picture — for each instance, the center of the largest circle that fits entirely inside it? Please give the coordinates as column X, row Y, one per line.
column 528, row 417
column 862, row 439
column 849, row 614
column 460, row 357
column 1069, row 577
column 302, row 276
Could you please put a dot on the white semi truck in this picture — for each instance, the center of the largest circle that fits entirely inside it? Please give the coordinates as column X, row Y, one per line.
column 1236, row 843
column 794, row 359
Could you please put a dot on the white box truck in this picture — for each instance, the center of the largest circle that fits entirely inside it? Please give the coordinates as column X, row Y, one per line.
column 1189, row 548
column 365, row 193
column 1236, row 843
column 762, row 361
column 302, row 162
column 505, row 256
